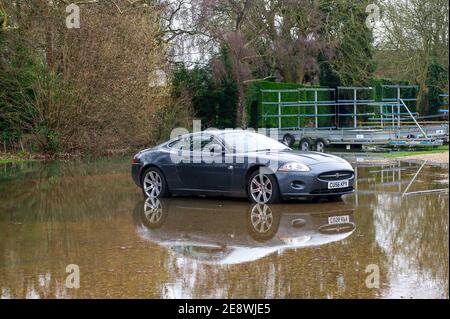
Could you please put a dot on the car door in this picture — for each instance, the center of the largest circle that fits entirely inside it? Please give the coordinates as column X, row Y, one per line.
column 206, row 168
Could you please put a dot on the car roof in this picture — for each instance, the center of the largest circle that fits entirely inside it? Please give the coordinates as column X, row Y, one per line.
column 215, row 132
column 222, row 132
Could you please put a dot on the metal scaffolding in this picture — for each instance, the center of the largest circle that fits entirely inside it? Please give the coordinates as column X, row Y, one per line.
column 392, row 109
column 314, row 115
column 316, row 103
column 355, row 102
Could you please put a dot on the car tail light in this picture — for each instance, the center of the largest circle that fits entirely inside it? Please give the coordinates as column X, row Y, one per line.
column 135, row 161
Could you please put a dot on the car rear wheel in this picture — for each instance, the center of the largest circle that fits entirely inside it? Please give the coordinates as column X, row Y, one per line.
column 154, row 184
column 263, row 188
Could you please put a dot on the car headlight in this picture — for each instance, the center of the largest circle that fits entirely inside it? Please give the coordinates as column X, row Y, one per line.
column 294, row 167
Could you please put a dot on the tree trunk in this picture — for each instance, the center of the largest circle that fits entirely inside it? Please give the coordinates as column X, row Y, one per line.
column 422, row 95
column 241, row 112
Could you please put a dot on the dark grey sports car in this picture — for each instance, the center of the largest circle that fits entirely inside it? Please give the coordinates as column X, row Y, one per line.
column 239, row 164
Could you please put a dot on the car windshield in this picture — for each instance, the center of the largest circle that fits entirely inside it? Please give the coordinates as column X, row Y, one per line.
column 242, row 142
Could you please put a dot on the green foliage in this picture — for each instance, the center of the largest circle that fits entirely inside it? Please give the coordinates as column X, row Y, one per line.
column 18, row 71
column 328, row 76
column 167, row 117
column 436, row 79
column 353, row 62
column 50, row 139
column 23, row 82
column 213, row 100
column 378, row 82
column 391, row 93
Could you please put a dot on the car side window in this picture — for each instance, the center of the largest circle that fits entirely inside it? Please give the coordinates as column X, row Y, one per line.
column 197, row 142
column 181, row 144
column 202, row 141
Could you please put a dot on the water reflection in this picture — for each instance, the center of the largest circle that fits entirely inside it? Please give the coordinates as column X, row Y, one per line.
column 410, row 222
column 232, row 232
column 92, row 215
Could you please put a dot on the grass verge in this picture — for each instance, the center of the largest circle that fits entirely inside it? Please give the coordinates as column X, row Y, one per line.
column 434, row 150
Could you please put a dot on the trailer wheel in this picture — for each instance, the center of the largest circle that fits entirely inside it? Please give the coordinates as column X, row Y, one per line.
column 305, row 144
column 320, row 145
column 288, row 139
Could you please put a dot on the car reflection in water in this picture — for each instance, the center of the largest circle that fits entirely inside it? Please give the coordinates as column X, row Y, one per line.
column 232, row 232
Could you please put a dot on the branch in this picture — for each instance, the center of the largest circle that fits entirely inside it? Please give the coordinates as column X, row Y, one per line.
column 254, row 80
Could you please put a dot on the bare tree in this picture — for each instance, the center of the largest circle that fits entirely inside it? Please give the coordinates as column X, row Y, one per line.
column 264, row 38
column 412, row 34
column 219, row 24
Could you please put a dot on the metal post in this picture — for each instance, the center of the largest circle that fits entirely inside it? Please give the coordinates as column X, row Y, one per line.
column 315, row 109
column 393, row 174
column 336, row 112
column 262, row 110
column 298, row 108
column 413, row 179
column 279, row 110
column 414, row 119
column 398, row 106
column 392, row 115
column 381, row 115
column 356, row 186
column 354, row 108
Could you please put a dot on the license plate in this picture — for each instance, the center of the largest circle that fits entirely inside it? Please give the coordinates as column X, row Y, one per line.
column 337, row 184
column 338, row 219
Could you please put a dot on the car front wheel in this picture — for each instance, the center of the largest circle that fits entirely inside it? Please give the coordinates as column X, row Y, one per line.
column 263, row 188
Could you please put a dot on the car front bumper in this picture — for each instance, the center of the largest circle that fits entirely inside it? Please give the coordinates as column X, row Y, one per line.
column 308, row 184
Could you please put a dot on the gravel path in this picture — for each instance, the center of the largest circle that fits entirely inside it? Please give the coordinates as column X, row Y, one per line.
column 435, row 157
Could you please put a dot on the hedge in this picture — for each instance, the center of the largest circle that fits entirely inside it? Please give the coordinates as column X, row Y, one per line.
column 254, row 101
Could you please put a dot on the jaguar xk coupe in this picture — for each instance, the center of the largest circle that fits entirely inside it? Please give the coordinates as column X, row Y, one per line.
column 239, row 164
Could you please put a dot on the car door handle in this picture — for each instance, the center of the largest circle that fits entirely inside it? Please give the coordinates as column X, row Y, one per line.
column 230, row 167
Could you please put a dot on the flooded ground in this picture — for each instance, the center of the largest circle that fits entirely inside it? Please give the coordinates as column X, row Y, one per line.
column 93, row 216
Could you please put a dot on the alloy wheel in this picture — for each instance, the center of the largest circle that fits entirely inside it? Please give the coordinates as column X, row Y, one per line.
column 261, row 218
column 152, row 184
column 153, row 210
column 261, row 188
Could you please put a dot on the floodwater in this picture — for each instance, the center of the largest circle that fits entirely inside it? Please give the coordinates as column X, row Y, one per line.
column 387, row 240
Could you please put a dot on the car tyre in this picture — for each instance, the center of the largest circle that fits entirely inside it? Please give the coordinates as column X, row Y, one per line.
column 263, row 188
